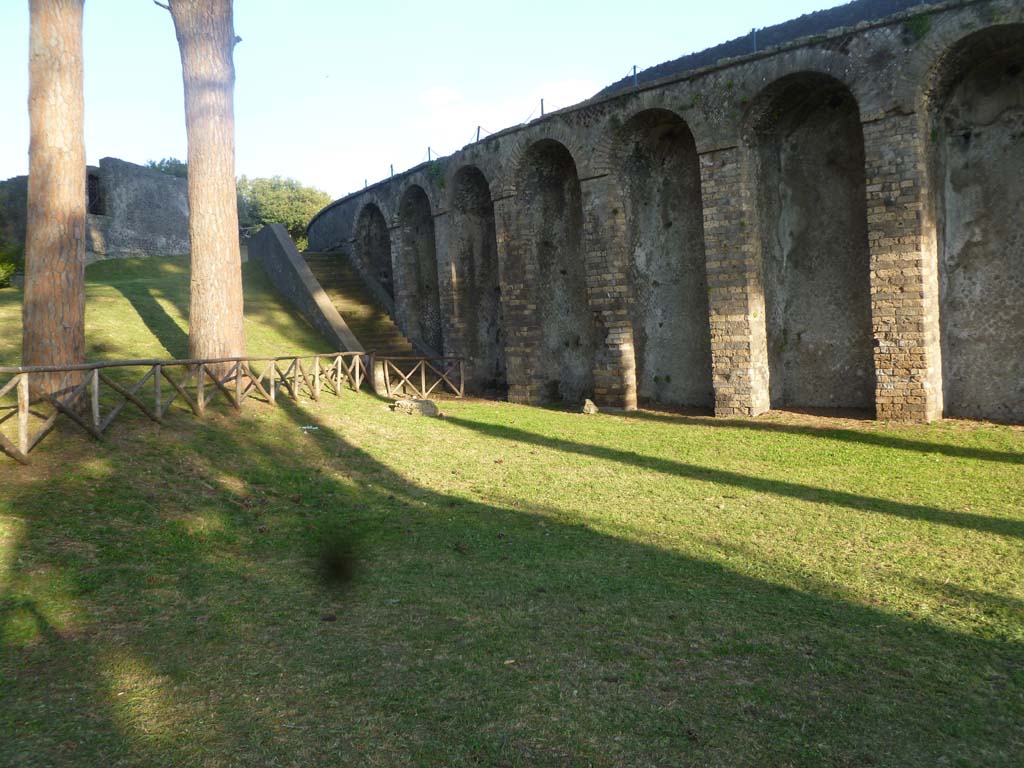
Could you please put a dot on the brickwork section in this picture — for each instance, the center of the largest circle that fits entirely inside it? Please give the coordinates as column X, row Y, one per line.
column 454, row 331
column 522, row 329
column 739, row 355
column 904, row 282
column 604, row 245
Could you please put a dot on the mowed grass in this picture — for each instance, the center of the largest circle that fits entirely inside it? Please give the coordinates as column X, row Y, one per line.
column 138, row 309
column 527, row 587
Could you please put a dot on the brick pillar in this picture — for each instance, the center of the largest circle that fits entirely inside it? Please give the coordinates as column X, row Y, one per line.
column 519, row 310
column 739, row 348
column 904, row 271
column 604, row 247
column 448, row 287
column 400, row 282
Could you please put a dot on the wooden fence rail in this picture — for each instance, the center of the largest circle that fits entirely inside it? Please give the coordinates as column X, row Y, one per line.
column 101, row 391
column 421, row 377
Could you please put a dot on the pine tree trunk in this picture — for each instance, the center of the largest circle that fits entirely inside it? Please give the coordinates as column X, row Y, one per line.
column 206, row 39
column 53, row 313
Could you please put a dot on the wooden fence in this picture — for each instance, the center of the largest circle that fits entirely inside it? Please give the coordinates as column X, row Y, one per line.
column 102, row 391
column 105, row 389
column 421, row 377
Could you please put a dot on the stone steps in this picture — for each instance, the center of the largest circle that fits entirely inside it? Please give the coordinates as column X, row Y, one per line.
column 374, row 328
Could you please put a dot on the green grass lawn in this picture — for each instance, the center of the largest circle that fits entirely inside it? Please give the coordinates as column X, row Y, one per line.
column 138, row 308
column 529, row 587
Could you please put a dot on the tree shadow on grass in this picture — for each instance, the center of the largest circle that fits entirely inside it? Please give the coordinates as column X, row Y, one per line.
column 981, row 523
column 472, row 633
column 264, row 309
column 156, row 318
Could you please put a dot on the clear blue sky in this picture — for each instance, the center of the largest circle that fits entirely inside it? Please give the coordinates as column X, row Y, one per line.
column 332, row 92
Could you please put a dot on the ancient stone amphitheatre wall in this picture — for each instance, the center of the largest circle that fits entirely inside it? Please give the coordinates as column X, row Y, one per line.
column 835, row 222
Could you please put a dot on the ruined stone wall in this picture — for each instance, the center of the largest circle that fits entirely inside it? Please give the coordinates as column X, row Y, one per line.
column 132, row 211
column 417, row 296
column 806, row 226
column 144, row 212
column 660, row 173
column 980, row 174
column 475, row 318
column 812, row 214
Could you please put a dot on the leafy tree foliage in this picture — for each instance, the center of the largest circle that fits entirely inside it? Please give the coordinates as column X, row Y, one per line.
column 12, row 253
column 172, row 166
column 281, row 200
column 262, row 201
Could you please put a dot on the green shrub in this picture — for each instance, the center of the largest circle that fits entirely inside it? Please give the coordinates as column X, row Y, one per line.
column 12, row 260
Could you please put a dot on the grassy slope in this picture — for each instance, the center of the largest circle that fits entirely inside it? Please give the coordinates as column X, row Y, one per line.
column 138, row 308
column 531, row 587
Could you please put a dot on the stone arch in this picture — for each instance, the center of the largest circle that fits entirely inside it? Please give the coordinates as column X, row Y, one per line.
column 976, row 109
column 476, row 287
column 655, row 160
column 806, row 156
column 372, row 246
column 526, row 141
column 418, row 296
column 551, row 267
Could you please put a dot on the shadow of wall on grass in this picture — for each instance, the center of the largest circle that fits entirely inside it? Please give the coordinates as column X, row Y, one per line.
column 982, row 523
column 880, row 439
column 472, row 634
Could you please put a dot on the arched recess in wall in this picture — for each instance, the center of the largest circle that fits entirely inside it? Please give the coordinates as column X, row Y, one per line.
column 475, row 282
column 659, row 171
column 550, row 216
column 807, row 153
column 417, row 260
column 977, row 114
column 373, row 247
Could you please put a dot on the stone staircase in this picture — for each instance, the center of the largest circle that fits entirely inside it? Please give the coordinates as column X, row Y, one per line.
column 366, row 319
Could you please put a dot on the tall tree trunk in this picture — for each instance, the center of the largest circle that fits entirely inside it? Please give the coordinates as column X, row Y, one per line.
column 206, row 39
column 53, row 313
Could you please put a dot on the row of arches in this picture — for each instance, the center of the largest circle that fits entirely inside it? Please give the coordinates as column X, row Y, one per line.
column 804, row 153
column 411, row 277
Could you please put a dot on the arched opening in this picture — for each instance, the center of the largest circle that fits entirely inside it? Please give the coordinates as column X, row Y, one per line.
column 552, row 218
column 477, row 288
column 418, row 262
column 978, row 121
column 373, row 247
column 808, row 159
column 660, row 174
column 96, row 200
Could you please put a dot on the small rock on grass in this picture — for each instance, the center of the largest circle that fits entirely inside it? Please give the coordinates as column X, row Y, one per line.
column 415, row 407
column 590, row 408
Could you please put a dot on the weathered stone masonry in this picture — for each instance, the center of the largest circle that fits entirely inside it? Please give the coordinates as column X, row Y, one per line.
column 838, row 221
column 132, row 211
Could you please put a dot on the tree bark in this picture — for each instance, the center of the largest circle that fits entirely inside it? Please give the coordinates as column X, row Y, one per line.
column 206, row 40
column 53, row 313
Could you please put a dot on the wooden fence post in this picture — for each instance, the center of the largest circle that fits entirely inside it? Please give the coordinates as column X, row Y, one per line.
column 95, row 376
column 23, row 405
column 157, row 394
column 200, row 389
